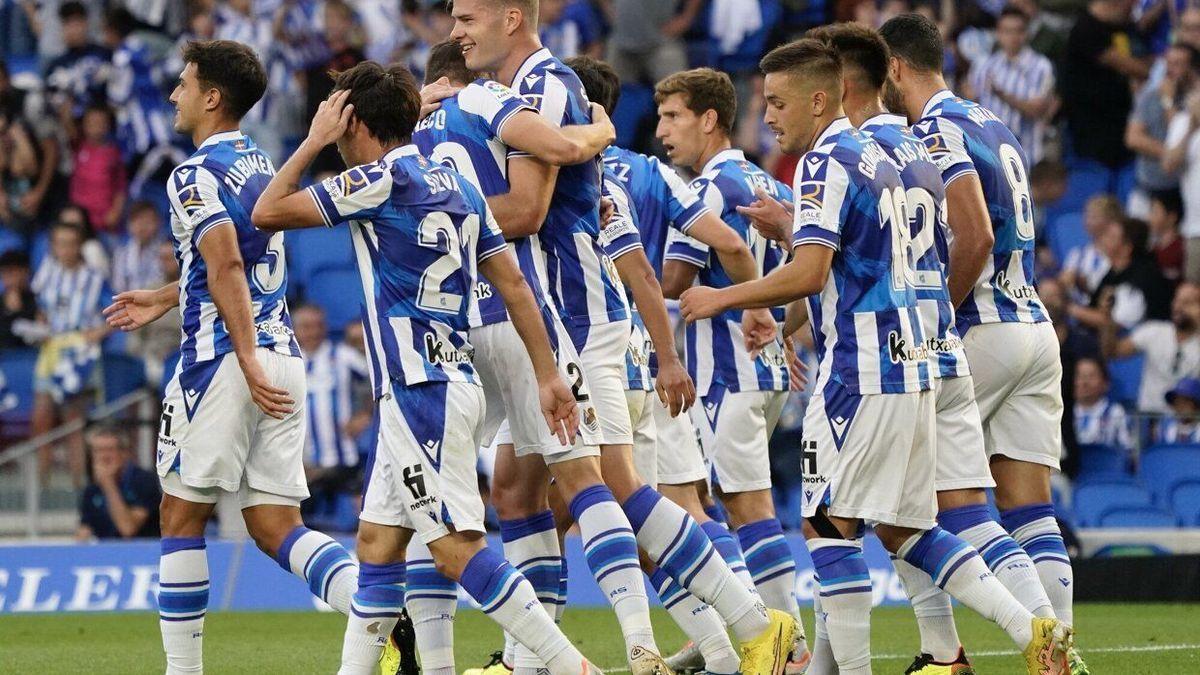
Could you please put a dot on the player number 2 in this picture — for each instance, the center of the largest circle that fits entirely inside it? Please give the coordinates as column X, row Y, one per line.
column 437, row 231
column 1014, row 170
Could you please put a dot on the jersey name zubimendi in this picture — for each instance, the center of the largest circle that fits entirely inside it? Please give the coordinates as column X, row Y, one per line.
column 963, row 137
column 218, row 185
column 925, row 198
column 419, row 231
column 865, row 321
column 716, row 351
column 464, row 134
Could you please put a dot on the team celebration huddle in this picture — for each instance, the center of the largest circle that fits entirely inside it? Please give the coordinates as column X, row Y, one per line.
column 516, row 269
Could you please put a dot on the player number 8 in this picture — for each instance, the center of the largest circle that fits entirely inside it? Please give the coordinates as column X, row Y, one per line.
column 1014, row 170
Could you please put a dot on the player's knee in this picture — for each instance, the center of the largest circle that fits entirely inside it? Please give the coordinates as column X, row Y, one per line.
column 893, row 537
column 180, row 518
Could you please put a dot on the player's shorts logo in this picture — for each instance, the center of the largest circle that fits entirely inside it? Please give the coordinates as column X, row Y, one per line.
column 414, row 480
column 589, row 419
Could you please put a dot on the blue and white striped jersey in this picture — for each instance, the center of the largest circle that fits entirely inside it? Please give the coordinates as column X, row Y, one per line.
column 464, row 134
column 584, row 288
column 925, row 198
column 333, row 370
column 143, row 112
column 617, row 239
column 219, row 184
column 716, row 351
column 419, row 231
column 660, row 197
column 963, row 137
column 1105, row 423
column 866, row 326
column 70, row 299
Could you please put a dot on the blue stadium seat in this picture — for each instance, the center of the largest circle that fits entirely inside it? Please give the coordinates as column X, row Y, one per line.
column 1185, row 501
column 1084, row 181
column 1126, row 378
column 39, row 248
column 1165, row 466
column 17, row 366
column 10, row 240
column 635, row 104
column 338, row 291
column 1065, row 233
column 313, row 248
column 1096, row 461
column 1093, row 499
column 1139, row 516
column 123, row 374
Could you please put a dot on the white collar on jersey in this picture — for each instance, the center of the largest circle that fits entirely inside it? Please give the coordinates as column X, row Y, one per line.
column 532, row 61
column 221, row 137
column 884, row 119
column 726, row 155
column 936, row 99
column 835, row 127
column 400, row 151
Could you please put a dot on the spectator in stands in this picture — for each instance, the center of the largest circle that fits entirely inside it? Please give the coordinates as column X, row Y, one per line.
column 94, row 253
column 158, row 340
column 1016, row 83
column 1047, row 185
column 1134, row 289
column 1146, row 132
column 1182, row 424
column 1156, row 19
column 18, row 305
column 1102, row 57
column 77, row 78
column 570, row 28
column 19, row 168
column 1074, row 340
column 1163, row 217
column 1187, row 31
column 136, row 262
column 121, row 500
column 1182, row 157
column 1171, row 348
column 143, row 113
column 646, row 43
column 1099, row 420
column 98, row 183
column 338, row 406
column 70, row 295
column 342, row 54
column 1085, row 266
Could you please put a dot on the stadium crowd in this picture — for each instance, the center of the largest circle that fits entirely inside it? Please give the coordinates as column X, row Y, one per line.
column 1102, row 94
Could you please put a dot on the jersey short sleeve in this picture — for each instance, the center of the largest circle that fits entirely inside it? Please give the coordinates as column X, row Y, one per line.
column 196, row 201
column 947, row 147
column 684, row 248
column 621, row 235
column 684, row 206
column 353, row 194
column 491, row 240
column 493, row 102
column 821, row 202
column 549, row 97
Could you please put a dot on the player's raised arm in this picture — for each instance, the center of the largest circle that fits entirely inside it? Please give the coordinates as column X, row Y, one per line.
column 282, row 206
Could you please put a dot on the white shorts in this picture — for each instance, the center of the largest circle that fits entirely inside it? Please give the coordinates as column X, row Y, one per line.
column 680, row 460
column 213, row 436
column 1018, row 387
column 961, row 459
column 870, row 457
column 735, row 429
column 511, row 392
column 645, row 436
column 423, row 477
column 603, row 359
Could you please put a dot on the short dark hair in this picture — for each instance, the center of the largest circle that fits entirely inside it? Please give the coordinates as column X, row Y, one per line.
column 446, row 60
column 1047, row 169
column 1171, row 200
column 121, row 21
column 1010, row 12
column 1192, row 52
column 599, row 79
column 811, row 60
column 914, row 39
column 1099, row 365
column 859, row 47
column 386, row 100
column 1136, row 233
column 231, row 68
column 140, row 206
column 72, row 10
column 703, row 89
column 14, row 258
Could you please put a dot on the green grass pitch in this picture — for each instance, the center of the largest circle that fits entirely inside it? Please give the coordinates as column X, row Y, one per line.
column 1130, row 639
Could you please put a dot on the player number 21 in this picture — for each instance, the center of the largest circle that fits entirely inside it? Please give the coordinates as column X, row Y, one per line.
column 437, row 231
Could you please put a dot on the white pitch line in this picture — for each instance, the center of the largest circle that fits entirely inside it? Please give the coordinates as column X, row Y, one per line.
column 1084, row 652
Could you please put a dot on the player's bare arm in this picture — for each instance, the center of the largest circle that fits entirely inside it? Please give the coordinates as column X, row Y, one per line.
column 804, row 275
column 282, row 206
column 730, row 248
column 558, row 402
column 133, row 309
column 967, row 216
column 528, row 131
column 758, row 326
column 675, row 388
column 771, row 217
column 231, row 294
column 522, row 210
